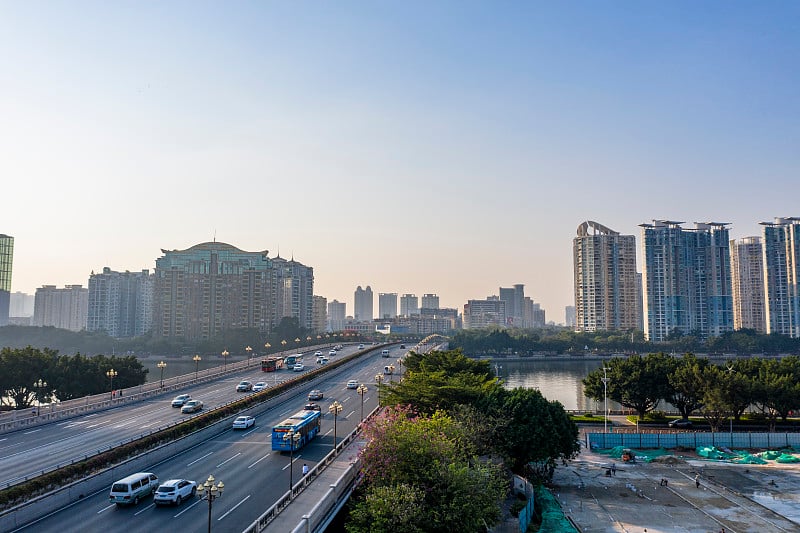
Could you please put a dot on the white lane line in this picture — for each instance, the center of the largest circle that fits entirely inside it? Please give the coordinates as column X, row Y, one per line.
column 346, row 399
column 247, row 433
column 145, row 509
column 200, row 459
column 254, row 464
column 106, row 508
column 1, row 440
column 328, row 433
column 195, row 503
column 234, row 508
column 350, row 413
column 231, row 459
column 31, row 431
column 296, row 458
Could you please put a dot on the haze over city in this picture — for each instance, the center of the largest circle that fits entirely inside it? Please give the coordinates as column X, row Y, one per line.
column 450, row 148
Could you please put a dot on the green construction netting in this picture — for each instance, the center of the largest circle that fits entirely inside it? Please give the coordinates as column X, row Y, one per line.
column 787, row 458
column 769, row 454
column 641, row 455
column 553, row 519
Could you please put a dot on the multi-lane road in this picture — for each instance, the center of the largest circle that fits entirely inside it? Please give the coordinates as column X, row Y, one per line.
column 254, row 476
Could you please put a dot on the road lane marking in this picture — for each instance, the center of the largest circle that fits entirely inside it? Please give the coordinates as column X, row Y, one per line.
column 350, row 413
column 195, row 503
column 199, row 459
column 254, row 464
column 234, row 508
column 328, row 433
column 32, row 431
column 231, row 459
column 106, row 508
column 296, row 458
column 145, row 509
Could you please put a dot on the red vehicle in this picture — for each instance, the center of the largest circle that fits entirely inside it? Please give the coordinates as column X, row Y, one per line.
column 271, row 364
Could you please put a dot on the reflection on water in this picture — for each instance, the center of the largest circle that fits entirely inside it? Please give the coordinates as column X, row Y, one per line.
column 559, row 380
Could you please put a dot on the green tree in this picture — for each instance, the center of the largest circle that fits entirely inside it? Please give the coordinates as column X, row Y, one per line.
column 20, row 368
column 686, row 386
column 636, row 382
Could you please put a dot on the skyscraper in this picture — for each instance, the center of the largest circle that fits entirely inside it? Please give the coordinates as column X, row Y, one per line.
column 121, row 303
column 430, row 301
column 211, row 287
column 363, row 304
column 6, row 261
column 483, row 313
column 294, row 291
column 65, row 308
column 409, row 305
column 387, row 304
column 337, row 314
column 514, row 298
column 781, row 241
column 687, row 280
column 605, row 279
column 747, row 279
column 320, row 323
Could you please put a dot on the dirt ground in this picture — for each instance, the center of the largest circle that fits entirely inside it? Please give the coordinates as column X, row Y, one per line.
column 731, row 498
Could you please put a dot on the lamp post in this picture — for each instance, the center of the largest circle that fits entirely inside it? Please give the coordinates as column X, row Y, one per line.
column 293, row 437
column 162, row 365
column 111, row 373
column 391, row 372
column 605, row 400
column 39, row 385
column 225, row 354
column 731, row 371
column 378, row 381
column 335, row 408
column 196, row 360
column 267, row 346
column 362, row 390
column 249, row 351
column 400, row 363
column 210, row 492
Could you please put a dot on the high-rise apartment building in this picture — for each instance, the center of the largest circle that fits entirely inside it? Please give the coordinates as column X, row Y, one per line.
column 320, row 322
column 430, row 301
column 294, row 291
column 6, row 261
column 781, row 242
column 212, row 287
column 514, row 298
column 387, row 305
column 747, row 280
column 569, row 316
column 65, row 308
column 483, row 313
column 687, row 280
column 363, row 304
column 409, row 305
column 337, row 315
column 534, row 315
column 121, row 303
column 605, row 279
column 21, row 305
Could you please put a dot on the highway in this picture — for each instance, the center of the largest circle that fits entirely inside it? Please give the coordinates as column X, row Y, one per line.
column 27, row 453
column 254, row 476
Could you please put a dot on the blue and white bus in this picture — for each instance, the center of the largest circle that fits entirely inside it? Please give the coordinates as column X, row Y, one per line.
column 304, row 423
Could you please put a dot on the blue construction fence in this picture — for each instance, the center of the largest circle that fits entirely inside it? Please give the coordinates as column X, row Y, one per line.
column 693, row 440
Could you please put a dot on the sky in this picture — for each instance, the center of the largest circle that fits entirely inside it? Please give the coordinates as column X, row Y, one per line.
column 415, row 147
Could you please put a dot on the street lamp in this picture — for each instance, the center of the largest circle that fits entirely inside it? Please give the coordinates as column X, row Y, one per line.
column 605, row 400
column 249, row 351
column 335, row 408
column 210, row 492
column 162, row 365
column 196, row 360
column 267, row 346
column 391, row 372
column 225, row 354
column 400, row 362
column 362, row 390
column 39, row 385
column 293, row 437
column 111, row 375
column 378, row 381
column 308, row 339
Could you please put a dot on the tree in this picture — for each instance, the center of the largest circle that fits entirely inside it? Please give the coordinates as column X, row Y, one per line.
column 636, row 382
column 686, row 384
column 715, row 408
column 20, row 368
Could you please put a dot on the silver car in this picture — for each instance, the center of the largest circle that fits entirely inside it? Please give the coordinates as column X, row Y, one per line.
column 174, row 491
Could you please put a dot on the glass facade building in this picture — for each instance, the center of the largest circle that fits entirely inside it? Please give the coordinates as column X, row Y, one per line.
column 6, row 261
column 781, row 245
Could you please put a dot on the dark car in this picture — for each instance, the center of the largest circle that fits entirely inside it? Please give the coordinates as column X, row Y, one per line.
column 680, row 423
column 312, row 407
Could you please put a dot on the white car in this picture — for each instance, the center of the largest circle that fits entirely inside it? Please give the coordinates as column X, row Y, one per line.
column 174, row 491
column 179, row 401
column 360, row 346
column 243, row 422
column 352, row 384
column 318, row 353
column 299, row 367
column 332, row 352
column 258, row 387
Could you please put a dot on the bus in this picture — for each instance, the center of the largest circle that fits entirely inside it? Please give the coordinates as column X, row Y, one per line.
column 271, row 364
column 305, row 423
column 290, row 360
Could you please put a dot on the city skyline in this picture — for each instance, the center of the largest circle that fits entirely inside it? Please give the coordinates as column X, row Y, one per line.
column 449, row 148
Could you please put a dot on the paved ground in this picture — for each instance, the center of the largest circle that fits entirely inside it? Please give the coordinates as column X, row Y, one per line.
column 738, row 498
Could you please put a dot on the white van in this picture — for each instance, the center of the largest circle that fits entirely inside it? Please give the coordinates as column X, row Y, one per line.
column 129, row 490
column 384, row 353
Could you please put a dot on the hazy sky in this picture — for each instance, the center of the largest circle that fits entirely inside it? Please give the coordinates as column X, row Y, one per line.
column 445, row 147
